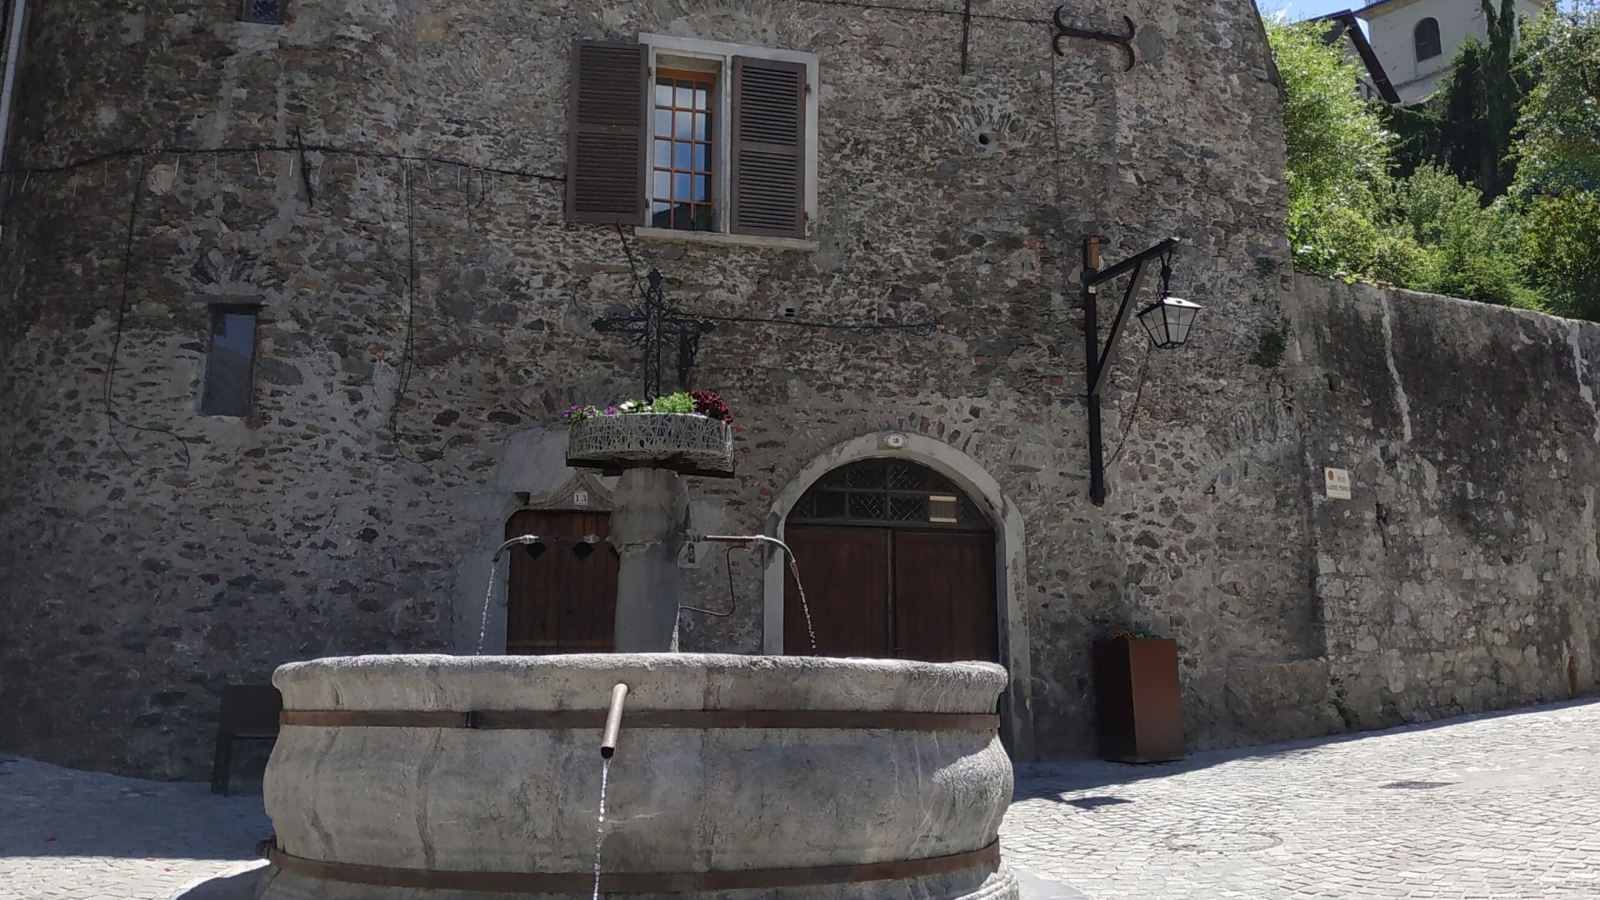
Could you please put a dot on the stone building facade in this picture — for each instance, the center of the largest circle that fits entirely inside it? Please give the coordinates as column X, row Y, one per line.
column 424, row 310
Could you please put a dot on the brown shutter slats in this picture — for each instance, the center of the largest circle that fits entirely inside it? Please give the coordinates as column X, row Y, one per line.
column 768, row 153
column 606, row 132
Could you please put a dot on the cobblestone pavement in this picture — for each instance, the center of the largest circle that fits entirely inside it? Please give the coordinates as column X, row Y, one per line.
column 72, row 835
column 1504, row 807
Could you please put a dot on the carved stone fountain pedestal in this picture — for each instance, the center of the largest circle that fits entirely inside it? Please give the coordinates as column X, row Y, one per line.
column 788, row 778
column 651, row 452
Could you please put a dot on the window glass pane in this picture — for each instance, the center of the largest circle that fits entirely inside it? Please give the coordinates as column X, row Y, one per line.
column 680, row 187
column 663, row 153
column 702, row 188
column 661, row 214
column 263, row 12
column 663, row 123
column 702, row 98
column 867, row 506
column 682, row 156
column 663, row 93
column 686, row 94
column 702, row 218
column 868, row 474
column 702, row 157
column 830, row 504
column 908, row 509
column 685, row 125
column 905, row 477
column 229, row 363
column 663, row 187
column 701, row 126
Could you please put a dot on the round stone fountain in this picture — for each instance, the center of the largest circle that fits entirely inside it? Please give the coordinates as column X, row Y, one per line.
column 468, row 777
column 779, row 778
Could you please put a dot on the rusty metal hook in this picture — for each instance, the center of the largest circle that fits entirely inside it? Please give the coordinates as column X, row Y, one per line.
column 1126, row 43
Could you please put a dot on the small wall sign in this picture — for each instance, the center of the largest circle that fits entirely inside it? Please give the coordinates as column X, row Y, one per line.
column 580, row 498
column 1338, row 483
column 689, row 556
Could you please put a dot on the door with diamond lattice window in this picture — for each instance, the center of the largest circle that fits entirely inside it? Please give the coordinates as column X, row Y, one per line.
column 898, row 563
column 561, row 595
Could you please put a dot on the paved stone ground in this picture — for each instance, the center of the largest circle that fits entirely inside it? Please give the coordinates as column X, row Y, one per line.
column 71, row 835
column 1503, row 807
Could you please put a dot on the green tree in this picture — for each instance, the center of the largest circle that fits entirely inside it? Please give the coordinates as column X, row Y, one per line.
column 1560, row 149
column 1468, row 126
column 1563, row 249
column 1338, row 153
column 1349, row 215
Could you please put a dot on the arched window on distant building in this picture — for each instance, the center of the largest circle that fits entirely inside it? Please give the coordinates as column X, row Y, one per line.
column 1427, row 39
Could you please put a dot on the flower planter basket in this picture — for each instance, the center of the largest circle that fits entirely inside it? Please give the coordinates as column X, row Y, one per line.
column 692, row 445
column 1139, row 705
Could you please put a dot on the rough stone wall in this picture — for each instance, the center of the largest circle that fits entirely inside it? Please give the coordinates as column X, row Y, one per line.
column 136, row 586
column 1462, row 575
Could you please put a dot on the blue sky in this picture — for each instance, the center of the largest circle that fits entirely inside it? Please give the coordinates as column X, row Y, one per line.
column 1305, row 9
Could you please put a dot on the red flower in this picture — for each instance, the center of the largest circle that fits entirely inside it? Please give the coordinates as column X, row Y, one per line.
column 708, row 404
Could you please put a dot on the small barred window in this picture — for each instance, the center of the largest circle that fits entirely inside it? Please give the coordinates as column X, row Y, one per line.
column 262, row 12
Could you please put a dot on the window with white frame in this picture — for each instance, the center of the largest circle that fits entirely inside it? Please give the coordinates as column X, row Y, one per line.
column 690, row 135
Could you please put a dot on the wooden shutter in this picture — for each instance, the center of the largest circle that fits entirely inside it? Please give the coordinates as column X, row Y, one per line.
column 606, row 132
column 768, row 168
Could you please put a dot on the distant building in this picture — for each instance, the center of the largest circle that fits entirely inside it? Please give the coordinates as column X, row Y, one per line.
column 1414, row 41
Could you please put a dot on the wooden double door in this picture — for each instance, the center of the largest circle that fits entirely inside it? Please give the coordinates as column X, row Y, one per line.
column 897, row 593
column 561, row 594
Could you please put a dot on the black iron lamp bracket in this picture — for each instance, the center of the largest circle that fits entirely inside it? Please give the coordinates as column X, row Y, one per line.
column 1063, row 30
column 1097, row 360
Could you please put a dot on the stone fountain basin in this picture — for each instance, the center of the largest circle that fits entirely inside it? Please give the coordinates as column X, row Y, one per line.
column 680, row 800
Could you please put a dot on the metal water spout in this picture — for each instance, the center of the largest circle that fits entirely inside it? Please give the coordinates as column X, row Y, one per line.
column 742, row 540
column 524, row 540
column 608, row 741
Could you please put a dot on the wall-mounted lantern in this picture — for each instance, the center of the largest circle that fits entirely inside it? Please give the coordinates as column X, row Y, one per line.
column 1168, row 321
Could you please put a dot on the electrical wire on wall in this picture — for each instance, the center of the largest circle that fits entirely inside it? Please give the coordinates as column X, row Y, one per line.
column 925, row 326
column 733, row 598
column 114, row 418
column 1133, row 412
column 407, row 358
column 926, row 11
column 326, row 149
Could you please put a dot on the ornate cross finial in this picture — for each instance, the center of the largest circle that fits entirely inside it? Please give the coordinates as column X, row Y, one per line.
column 650, row 323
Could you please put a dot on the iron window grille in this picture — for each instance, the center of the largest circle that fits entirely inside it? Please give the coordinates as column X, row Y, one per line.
column 888, row 492
column 262, row 12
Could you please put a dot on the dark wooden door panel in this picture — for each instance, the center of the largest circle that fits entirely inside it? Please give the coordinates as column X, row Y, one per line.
column 944, row 596
column 846, row 572
column 564, row 600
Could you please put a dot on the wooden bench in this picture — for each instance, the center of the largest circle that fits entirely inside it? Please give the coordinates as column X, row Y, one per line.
column 247, row 712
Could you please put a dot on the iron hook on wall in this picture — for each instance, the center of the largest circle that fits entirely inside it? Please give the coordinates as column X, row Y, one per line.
column 1064, row 30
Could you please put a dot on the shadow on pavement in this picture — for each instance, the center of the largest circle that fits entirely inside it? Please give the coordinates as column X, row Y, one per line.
column 48, row 811
column 1048, row 781
column 238, row 886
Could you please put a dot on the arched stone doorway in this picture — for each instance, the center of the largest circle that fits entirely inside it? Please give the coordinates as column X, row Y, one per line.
column 1010, row 572
column 900, row 565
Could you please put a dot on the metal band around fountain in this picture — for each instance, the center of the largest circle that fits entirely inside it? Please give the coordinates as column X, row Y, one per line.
column 563, row 719
column 632, row 882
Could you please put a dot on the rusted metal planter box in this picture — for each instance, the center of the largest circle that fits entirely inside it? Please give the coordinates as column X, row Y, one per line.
column 1139, row 705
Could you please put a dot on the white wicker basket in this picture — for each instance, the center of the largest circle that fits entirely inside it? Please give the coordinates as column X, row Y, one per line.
column 678, row 441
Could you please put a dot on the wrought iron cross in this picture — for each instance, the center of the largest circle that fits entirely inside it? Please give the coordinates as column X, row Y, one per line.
column 650, row 323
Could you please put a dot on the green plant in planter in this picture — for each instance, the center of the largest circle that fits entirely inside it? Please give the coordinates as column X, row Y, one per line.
column 1124, row 634
column 690, row 403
